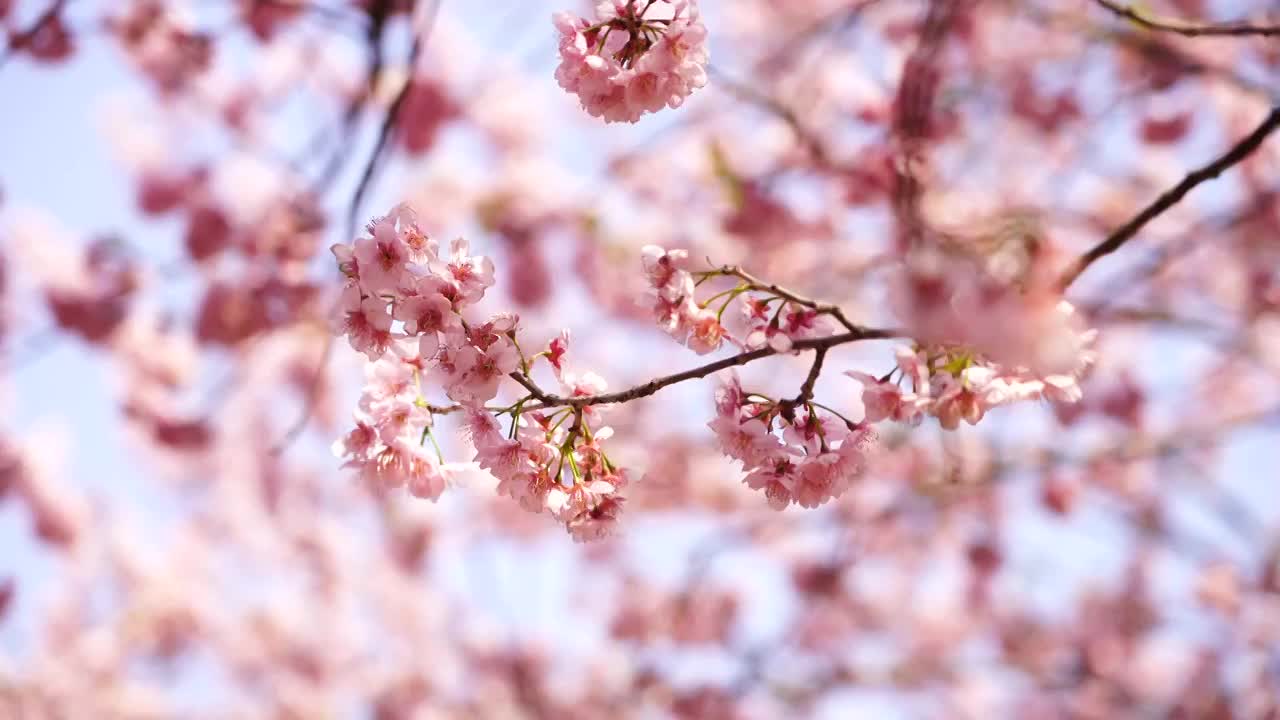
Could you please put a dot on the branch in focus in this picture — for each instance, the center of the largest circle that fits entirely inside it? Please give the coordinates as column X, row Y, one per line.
column 1188, row 29
column 547, row 400
column 1171, row 197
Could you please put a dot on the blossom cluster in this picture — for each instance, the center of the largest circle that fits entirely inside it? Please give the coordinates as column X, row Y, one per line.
column 392, row 422
column 638, row 57
column 954, row 384
column 408, row 308
column 818, row 457
column 552, row 460
column 671, row 299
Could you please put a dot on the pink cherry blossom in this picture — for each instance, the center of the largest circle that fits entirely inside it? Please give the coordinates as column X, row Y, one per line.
column 381, row 259
column 471, row 274
column 776, row 476
column 366, row 323
column 427, row 313
column 637, row 58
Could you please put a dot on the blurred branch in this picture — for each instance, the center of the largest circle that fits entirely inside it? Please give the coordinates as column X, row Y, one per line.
column 1175, row 442
column 774, row 107
column 310, row 400
column 389, row 123
column 1183, row 27
column 340, row 14
column 1154, row 49
column 1172, row 196
column 913, row 109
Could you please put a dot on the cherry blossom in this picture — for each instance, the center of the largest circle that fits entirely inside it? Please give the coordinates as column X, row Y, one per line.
column 1039, row 241
column 637, row 58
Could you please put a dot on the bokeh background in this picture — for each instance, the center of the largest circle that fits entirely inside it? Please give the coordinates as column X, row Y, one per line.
column 177, row 540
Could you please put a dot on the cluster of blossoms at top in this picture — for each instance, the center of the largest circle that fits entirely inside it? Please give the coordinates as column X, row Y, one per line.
column 817, row 458
column 638, row 57
column 954, row 383
column 758, row 323
column 409, row 309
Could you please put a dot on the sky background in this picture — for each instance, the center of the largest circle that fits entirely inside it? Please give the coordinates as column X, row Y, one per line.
column 54, row 158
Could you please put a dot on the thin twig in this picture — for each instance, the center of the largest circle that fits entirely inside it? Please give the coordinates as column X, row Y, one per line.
column 756, row 283
column 389, row 122
column 1189, row 29
column 1129, row 230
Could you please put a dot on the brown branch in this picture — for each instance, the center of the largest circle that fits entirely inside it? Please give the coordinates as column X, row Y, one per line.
column 806, row 390
column 1172, row 196
column 1189, row 29
column 548, row 400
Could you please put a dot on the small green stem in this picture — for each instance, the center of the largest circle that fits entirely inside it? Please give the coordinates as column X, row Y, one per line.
column 524, row 363
column 573, row 465
column 725, row 305
column 426, row 433
column 732, row 292
column 832, row 411
column 515, row 416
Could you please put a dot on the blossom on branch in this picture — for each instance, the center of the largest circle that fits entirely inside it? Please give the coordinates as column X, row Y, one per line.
column 551, row 460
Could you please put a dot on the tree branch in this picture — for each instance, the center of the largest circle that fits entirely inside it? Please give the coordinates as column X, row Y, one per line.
column 806, row 390
column 1189, row 29
column 1172, row 196
column 548, row 400
column 756, row 283
column 788, row 407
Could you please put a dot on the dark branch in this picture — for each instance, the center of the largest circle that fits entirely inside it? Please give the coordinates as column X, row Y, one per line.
column 547, row 400
column 806, row 390
column 1189, row 29
column 1172, row 196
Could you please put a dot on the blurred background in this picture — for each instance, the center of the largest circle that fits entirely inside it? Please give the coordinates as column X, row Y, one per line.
column 177, row 539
